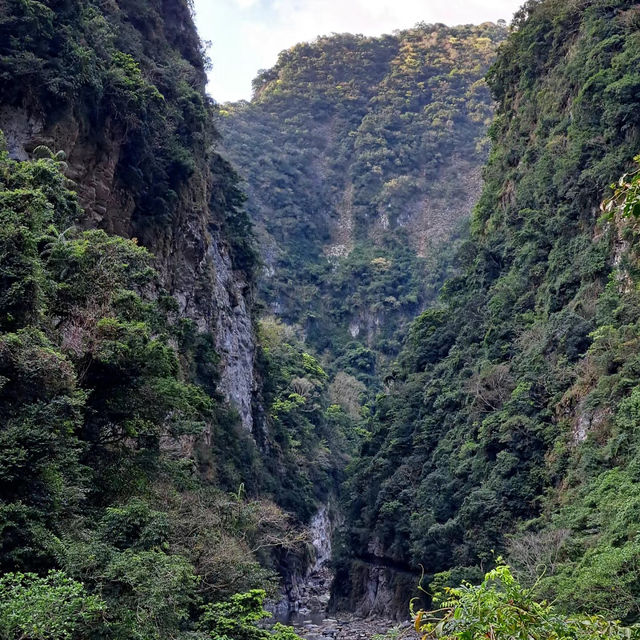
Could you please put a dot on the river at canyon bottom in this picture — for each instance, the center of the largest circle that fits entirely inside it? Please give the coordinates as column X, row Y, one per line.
column 308, row 611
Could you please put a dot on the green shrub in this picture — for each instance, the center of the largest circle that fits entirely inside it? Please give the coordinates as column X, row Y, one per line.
column 500, row 609
column 238, row 618
column 54, row 607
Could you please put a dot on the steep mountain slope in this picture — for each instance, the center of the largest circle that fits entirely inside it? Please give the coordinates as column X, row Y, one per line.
column 513, row 405
column 348, row 150
column 120, row 90
column 148, row 445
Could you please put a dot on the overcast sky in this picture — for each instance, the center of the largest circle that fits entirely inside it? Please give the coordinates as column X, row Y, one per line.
column 247, row 35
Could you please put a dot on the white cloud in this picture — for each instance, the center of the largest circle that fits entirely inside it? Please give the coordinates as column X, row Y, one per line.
column 247, row 35
column 246, row 4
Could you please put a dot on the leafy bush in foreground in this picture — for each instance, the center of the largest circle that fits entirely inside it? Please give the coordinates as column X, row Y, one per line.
column 501, row 608
column 238, row 619
column 54, row 607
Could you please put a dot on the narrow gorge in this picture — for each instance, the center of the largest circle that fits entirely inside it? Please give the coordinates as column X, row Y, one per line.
column 300, row 366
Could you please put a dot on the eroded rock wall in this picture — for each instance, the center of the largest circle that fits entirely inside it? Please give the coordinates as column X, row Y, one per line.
column 194, row 257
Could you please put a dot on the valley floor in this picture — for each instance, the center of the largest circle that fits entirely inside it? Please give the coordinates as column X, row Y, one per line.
column 345, row 626
column 312, row 619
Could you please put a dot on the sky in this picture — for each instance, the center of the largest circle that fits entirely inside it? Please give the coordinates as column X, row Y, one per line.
column 247, row 35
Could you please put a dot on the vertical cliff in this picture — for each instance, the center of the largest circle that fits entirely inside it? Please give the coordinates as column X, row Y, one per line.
column 127, row 338
column 503, row 429
column 119, row 87
column 174, row 395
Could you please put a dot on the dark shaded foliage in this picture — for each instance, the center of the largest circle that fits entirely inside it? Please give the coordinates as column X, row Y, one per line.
column 499, row 413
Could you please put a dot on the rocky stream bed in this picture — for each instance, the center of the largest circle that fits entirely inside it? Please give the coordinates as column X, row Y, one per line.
column 312, row 621
column 306, row 605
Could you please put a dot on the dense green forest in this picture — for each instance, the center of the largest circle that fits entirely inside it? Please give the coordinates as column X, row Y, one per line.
column 511, row 423
column 133, row 501
column 189, row 374
column 349, row 150
column 94, row 401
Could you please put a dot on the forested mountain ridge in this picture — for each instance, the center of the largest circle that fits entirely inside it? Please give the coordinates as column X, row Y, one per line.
column 348, row 149
column 512, row 421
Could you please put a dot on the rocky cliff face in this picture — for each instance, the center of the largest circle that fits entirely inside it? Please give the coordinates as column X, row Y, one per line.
column 308, row 576
column 235, row 339
column 504, row 393
column 135, row 128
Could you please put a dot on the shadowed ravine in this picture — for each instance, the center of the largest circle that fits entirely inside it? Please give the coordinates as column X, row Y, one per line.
column 377, row 327
column 307, row 603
